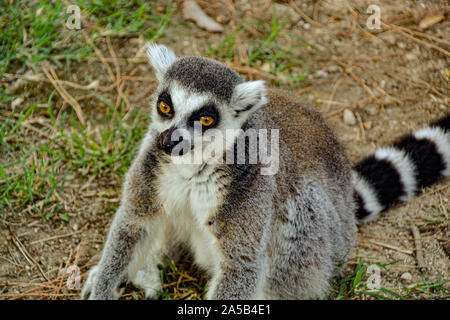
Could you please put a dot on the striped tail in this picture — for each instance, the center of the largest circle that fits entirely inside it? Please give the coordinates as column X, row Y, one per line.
column 399, row 172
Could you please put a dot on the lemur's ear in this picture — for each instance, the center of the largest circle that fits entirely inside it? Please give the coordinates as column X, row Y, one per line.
column 247, row 97
column 161, row 58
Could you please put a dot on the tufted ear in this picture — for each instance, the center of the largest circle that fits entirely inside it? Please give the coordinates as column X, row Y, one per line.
column 248, row 97
column 161, row 58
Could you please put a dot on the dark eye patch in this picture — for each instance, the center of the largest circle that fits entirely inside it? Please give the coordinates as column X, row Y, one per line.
column 165, row 97
column 209, row 110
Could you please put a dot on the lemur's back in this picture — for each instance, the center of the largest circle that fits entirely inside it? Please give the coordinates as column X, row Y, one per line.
column 308, row 147
column 314, row 222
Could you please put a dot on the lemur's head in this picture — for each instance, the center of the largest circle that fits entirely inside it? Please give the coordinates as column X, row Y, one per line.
column 196, row 92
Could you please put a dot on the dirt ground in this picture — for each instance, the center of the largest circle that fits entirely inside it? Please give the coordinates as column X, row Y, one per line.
column 392, row 83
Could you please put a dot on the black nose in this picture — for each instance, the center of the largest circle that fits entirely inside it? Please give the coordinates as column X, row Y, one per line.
column 165, row 141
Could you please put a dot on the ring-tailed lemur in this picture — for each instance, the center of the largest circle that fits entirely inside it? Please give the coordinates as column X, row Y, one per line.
column 272, row 236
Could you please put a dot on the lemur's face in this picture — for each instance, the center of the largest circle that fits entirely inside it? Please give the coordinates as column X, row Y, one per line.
column 199, row 102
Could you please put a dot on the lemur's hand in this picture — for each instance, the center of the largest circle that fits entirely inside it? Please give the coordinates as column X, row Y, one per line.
column 99, row 287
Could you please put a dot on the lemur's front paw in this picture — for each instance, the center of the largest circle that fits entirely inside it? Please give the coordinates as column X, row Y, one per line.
column 89, row 284
column 99, row 287
column 150, row 282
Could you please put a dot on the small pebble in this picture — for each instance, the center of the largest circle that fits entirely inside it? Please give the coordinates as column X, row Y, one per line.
column 322, row 74
column 333, row 68
column 406, row 276
column 349, row 117
column 410, row 56
column 266, row 67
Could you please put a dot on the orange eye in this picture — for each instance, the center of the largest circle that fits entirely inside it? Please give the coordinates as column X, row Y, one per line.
column 206, row 121
column 164, row 107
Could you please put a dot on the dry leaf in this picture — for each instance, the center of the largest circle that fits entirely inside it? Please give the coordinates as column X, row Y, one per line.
column 431, row 20
column 193, row 12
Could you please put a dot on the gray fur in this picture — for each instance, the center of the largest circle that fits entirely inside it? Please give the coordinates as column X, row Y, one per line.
column 205, row 75
column 266, row 236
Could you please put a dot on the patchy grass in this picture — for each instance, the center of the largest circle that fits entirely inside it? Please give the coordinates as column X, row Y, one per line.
column 38, row 164
column 357, row 285
column 181, row 281
column 34, row 31
column 265, row 52
column 127, row 18
column 40, row 151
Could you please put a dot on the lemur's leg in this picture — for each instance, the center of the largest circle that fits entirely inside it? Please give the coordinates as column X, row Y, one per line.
column 308, row 241
column 242, row 267
column 146, row 275
column 128, row 233
column 107, row 279
column 237, row 279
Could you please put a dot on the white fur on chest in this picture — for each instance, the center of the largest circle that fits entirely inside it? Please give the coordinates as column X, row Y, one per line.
column 181, row 190
column 189, row 201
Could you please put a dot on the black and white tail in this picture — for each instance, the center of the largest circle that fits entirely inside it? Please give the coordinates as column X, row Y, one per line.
column 399, row 172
